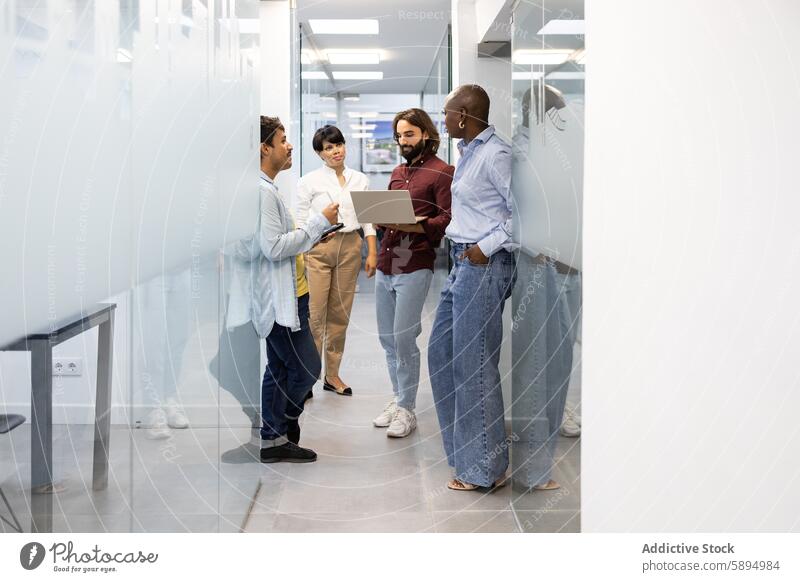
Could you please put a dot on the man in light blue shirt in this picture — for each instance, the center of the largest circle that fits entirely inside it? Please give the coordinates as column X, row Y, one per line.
column 464, row 349
column 279, row 302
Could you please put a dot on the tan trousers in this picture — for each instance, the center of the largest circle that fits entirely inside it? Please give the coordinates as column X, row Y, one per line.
column 332, row 269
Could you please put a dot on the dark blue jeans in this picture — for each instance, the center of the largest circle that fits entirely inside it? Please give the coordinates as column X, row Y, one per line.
column 293, row 366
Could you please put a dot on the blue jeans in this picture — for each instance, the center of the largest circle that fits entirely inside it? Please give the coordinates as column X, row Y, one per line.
column 543, row 338
column 293, row 366
column 398, row 302
column 463, row 360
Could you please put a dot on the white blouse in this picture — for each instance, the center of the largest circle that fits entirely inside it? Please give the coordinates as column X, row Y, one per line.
column 319, row 188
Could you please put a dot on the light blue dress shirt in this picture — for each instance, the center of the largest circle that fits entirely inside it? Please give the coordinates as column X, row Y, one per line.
column 268, row 293
column 481, row 194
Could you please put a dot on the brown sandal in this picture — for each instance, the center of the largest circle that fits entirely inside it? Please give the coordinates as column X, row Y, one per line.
column 549, row 486
column 459, row 485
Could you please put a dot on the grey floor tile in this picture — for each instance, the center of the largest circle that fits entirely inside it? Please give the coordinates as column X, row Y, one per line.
column 475, row 521
column 403, row 522
column 556, row 521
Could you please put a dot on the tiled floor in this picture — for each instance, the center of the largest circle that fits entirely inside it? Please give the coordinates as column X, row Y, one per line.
column 205, row 479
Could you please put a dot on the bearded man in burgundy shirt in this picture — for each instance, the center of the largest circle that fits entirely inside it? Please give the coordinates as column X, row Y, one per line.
column 405, row 262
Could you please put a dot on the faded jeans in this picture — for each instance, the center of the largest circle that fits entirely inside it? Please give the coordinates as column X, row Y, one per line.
column 398, row 302
column 463, row 360
column 547, row 310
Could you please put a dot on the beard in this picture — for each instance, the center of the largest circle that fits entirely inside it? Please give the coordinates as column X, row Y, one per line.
column 414, row 152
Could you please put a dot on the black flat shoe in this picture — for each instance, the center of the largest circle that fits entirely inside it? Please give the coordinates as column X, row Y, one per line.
column 287, row 453
column 293, row 431
column 343, row 392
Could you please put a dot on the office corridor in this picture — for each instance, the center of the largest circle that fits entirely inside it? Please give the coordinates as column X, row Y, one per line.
column 366, row 482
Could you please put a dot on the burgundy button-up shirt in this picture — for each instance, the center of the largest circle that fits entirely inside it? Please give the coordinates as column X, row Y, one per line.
column 428, row 180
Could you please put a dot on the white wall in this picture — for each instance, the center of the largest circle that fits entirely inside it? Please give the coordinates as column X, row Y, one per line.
column 692, row 255
column 494, row 75
column 276, row 81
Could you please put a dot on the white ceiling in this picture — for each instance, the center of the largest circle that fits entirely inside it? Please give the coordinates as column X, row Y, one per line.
column 410, row 34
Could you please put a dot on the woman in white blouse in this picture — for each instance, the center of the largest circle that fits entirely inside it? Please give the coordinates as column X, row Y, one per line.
column 332, row 267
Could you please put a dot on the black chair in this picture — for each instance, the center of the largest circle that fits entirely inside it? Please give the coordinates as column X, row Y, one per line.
column 9, row 422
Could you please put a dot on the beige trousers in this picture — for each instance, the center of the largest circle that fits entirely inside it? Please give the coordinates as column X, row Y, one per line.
column 332, row 270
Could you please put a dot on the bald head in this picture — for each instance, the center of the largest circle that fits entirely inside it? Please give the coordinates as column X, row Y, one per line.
column 474, row 99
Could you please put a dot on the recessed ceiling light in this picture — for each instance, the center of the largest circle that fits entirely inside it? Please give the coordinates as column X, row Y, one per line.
column 352, row 97
column 364, row 135
column 564, row 27
column 343, row 26
column 314, row 75
column 357, row 75
column 541, row 57
column 354, row 57
column 364, row 114
column 363, row 127
column 526, row 75
column 327, row 98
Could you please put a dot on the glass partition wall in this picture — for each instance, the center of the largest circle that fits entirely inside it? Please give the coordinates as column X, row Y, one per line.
column 547, row 187
column 146, row 90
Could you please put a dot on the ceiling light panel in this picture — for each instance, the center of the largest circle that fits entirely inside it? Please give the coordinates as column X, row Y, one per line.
column 357, row 75
column 541, row 57
column 344, row 26
column 314, row 75
column 346, row 57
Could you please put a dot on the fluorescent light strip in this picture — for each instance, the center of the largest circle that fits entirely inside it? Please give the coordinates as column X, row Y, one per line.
column 314, row 75
column 363, row 127
column 357, row 75
column 361, row 135
column 344, row 26
column 556, row 26
column 347, row 57
column 362, row 114
column 540, row 57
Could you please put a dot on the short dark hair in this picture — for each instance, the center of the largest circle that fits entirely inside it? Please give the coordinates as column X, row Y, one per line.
column 269, row 125
column 329, row 133
column 419, row 118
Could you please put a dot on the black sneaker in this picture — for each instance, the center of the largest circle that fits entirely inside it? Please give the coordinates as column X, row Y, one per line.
column 293, row 431
column 289, row 453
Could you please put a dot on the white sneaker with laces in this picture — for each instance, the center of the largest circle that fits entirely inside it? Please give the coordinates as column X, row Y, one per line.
column 571, row 425
column 157, row 425
column 384, row 419
column 403, row 423
column 175, row 415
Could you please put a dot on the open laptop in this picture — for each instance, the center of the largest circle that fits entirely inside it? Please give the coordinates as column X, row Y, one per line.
column 383, row 206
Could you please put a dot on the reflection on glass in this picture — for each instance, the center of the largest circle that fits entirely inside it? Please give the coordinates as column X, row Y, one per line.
column 547, row 188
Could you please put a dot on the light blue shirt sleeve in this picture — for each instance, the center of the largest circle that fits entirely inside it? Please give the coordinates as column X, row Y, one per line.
column 500, row 177
column 277, row 244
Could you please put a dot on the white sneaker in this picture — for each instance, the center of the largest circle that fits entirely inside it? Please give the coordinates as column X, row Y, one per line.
column 571, row 425
column 385, row 418
column 403, row 423
column 157, row 425
column 175, row 415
